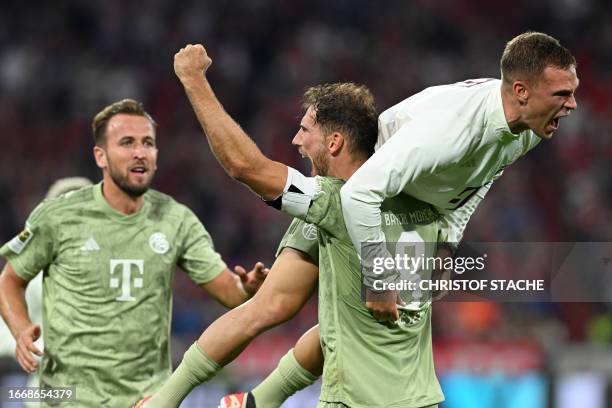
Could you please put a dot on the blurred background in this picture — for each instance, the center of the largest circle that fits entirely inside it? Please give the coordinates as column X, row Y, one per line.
column 62, row 62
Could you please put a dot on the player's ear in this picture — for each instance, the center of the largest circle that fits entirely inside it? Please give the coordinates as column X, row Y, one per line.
column 335, row 143
column 520, row 91
column 100, row 156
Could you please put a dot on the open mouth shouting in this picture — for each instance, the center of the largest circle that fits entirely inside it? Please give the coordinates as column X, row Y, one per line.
column 553, row 125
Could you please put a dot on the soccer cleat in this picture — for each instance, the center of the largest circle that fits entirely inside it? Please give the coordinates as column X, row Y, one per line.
column 239, row 400
column 141, row 403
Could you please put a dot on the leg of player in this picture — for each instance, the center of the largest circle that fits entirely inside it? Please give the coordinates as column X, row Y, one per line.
column 308, row 352
column 289, row 284
column 298, row 369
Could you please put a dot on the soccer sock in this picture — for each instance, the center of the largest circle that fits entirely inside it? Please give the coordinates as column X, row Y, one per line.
column 196, row 368
column 288, row 378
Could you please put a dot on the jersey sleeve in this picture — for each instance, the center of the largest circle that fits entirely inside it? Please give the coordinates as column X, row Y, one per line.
column 315, row 200
column 34, row 249
column 423, row 145
column 303, row 237
column 198, row 257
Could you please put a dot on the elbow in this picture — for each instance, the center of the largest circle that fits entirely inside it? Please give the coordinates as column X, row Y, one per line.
column 246, row 171
column 10, row 281
column 239, row 170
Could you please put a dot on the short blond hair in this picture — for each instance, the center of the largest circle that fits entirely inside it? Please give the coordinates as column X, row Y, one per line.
column 527, row 55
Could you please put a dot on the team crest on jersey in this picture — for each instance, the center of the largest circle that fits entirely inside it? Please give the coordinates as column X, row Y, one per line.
column 20, row 241
column 159, row 243
column 309, row 232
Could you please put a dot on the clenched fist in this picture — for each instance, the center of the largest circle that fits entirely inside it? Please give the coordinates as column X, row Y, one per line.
column 191, row 61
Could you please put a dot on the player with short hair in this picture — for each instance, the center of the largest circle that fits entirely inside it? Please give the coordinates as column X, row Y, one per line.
column 537, row 87
column 107, row 253
column 456, row 219
column 338, row 133
column 447, row 144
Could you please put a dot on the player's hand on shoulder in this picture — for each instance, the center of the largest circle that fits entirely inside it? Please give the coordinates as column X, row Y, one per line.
column 26, row 349
column 252, row 280
column 191, row 61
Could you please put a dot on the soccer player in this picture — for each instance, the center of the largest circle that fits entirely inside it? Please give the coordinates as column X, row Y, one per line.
column 107, row 253
column 532, row 94
column 447, row 144
column 465, row 133
column 361, row 354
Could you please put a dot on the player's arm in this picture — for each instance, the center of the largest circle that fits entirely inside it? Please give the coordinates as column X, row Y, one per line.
column 204, row 265
column 14, row 311
column 232, row 147
column 233, row 289
column 290, row 283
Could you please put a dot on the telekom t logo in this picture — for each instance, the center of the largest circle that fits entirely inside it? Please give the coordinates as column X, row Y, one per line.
column 126, row 276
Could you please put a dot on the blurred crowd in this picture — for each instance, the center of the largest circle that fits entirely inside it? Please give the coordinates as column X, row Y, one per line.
column 61, row 62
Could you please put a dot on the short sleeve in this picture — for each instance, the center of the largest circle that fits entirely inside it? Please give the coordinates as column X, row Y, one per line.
column 325, row 209
column 33, row 249
column 198, row 257
column 302, row 237
column 315, row 200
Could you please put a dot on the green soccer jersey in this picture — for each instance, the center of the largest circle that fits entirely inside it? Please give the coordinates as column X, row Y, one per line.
column 303, row 237
column 107, row 289
column 369, row 364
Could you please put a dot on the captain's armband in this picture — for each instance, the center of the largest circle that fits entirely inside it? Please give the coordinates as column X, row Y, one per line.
column 297, row 195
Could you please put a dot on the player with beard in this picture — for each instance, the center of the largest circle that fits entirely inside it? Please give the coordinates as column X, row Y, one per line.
column 332, row 111
column 108, row 252
column 450, row 142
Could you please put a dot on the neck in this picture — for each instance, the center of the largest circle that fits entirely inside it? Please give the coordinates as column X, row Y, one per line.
column 512, row 110
column 344, row 169
column 119, row 200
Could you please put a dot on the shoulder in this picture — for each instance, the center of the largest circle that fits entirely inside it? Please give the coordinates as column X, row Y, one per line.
column 67, row 203
column 159, row 199
column 441, row 97
column 437, row 108
column 166, row 208
column 327, row 183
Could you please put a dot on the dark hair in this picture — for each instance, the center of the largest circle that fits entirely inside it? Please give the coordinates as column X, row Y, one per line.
column 346, row 108
column 527, row 55
column 125, row 106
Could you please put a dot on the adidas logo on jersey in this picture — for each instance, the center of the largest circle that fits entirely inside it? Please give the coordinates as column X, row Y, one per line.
column 90, row 245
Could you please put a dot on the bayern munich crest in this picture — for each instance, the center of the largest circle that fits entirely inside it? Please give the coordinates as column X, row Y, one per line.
column 159, row 243
column 309, row 232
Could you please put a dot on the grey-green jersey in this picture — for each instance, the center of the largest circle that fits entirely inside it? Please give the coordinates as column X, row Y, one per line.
column 367, row 364
column 107, row 289
column 303, row 237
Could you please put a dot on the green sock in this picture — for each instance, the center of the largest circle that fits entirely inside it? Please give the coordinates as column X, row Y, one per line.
column 288, row 378
column 196, row 368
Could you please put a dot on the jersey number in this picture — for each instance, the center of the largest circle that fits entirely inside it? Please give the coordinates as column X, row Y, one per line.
column 412, row 240
column 462, row 198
